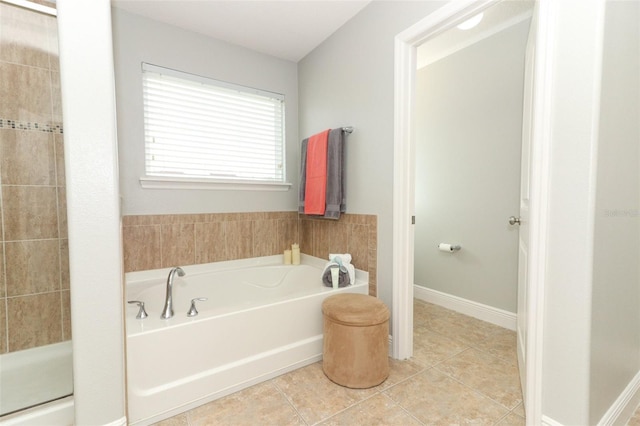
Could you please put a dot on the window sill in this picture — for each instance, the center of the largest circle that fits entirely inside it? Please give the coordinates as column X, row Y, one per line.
column 157, row 182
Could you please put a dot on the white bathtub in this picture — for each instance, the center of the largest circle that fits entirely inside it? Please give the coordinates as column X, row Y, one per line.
column 261, row 320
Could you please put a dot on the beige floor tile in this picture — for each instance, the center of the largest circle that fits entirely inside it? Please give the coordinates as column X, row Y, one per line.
column 179, row 420
column 262, row 403
column 512, row 420
column 437, row 399
column 429, row 348
column 377, row 410
column 635, row 419
column 314, row 396
column 501, row 344
column 496, row 378
column 466, row 329
column 399, row 371
column 519, row 410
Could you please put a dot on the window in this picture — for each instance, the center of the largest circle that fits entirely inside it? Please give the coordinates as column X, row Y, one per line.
column 203, row 130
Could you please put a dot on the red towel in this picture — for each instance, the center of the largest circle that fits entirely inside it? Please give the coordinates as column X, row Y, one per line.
column 316, row 185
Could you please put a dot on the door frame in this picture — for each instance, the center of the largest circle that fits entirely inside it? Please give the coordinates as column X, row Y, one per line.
column 404, row 183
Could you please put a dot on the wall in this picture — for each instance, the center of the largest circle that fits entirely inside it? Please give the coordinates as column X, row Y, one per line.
column 348, row 80
column 34, row 285
column 615, row 317
column 136, row 40
column 468, row 137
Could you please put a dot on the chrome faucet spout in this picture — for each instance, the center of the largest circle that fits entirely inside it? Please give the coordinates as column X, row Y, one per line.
column 167, row 312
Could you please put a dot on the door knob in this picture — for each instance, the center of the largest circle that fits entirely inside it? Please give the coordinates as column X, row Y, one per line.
column 514, row 220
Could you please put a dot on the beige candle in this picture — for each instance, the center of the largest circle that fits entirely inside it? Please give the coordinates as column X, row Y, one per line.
column 295, row 254
column 287, row 257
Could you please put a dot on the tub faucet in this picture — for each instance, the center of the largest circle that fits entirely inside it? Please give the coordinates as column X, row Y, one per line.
column 168, row 303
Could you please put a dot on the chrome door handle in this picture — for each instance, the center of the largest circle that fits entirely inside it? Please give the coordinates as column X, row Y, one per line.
column 514, row 220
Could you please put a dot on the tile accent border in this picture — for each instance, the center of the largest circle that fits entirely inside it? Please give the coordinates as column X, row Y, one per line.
column 5, row 123
column 162, row 241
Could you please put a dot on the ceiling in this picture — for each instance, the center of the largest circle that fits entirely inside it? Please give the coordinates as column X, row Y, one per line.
column 286, row 29
column 495, row 19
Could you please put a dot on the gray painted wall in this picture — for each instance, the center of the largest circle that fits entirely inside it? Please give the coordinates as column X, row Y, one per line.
column 348, row 80
column 136, row 40
column 468, row 140
column 615, row 317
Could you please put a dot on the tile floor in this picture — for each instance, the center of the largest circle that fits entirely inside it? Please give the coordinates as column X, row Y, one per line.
column 463, row 371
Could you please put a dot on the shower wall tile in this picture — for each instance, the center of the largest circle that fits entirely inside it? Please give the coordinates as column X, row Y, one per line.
column 59, row 149
column 210, row 242
column 28, row 158
column 25, row 93
column 141, row 247
column 178, row 244
column 239, row 239
column 65, row 278
column 34, row 320
column 24, row 38
column 33, row 232
column 3, row 325
column 35, row 267
column 66, row 315
column 30, row 212
column 3, row 292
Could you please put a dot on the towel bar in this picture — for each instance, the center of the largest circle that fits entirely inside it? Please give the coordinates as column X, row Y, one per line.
column 347, row 129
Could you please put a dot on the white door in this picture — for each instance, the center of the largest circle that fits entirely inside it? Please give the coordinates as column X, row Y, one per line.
column 523, row 220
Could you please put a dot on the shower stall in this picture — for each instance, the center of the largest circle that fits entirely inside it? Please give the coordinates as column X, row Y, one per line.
column 35, row 323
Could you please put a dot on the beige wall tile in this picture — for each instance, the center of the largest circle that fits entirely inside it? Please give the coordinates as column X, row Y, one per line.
column 66, row 315
column 287, row 233
column 59, row 148
column 3, row 325
column 2, row 275
column 34, row 87
column 339, row 237
column 265, row 237
column 239, row 239
column 35, row 267
column 34, row 320
column 305, row 228
column 210, row 242
column 62, row 212
column 30, row 212
column 141, row 246
column 359, row 246
column 27, row 157
column 56, row 97
column 321, row 236
column 24, row 38
column 178, row 244
column 65, row 280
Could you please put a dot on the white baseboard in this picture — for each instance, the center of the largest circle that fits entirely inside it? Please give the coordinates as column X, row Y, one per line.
column 548, row 421
column 624, row 406
column 487, row 313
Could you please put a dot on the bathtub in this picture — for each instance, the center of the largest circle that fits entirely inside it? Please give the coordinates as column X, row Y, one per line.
column 261, row 319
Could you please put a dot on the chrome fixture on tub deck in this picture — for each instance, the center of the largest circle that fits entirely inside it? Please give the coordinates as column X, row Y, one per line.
column 168, row 303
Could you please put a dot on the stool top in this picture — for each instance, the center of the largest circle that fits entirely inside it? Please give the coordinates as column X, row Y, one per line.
column 355, row 309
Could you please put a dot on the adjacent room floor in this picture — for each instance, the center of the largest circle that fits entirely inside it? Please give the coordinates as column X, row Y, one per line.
column 463, row 371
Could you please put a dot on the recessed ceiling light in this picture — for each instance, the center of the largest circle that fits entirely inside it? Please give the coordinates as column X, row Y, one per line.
column 472, row 22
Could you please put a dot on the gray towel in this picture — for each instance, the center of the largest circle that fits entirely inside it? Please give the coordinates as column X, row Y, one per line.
column 343, row 278
column 303, row 175
column 335, row 202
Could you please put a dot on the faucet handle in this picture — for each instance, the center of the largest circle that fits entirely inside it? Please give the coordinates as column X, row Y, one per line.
column 142, row 314
column 192, row 310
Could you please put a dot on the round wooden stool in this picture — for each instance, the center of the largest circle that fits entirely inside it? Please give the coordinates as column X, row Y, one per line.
column 356, row 340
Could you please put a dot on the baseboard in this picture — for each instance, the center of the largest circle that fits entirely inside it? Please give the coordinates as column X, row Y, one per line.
column 548, row 421
column 487, row 313
column 624, row 406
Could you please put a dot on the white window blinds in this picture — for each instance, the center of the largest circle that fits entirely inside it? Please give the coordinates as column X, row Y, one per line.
column 197, row 127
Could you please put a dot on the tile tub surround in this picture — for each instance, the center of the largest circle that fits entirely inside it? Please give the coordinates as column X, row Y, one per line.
column 34, row 271
column 161, row 241
column 454, row 382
